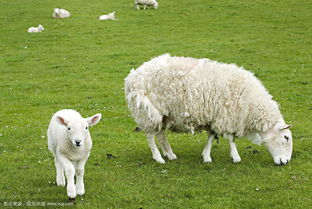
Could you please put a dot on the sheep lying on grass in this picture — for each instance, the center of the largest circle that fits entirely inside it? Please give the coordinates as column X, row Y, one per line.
column 187, row 95
column 145, row 3
column 70, row 142
column 60, row 13
column 110, row 16
column 38, row 29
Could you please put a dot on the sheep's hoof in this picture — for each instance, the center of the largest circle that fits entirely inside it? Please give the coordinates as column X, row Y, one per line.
column 160, row 161
column 71, row 199
column 171, row 156
column 207, row 159
column 236, row 159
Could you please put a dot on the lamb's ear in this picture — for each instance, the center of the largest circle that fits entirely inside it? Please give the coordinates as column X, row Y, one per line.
column 61, row 120
column 285, row 126
column 94, row 119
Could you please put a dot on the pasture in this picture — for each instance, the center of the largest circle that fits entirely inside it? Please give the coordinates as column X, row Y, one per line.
column 80, row 63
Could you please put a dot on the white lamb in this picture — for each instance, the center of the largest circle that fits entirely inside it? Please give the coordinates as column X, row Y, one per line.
column 110, row 16
column 187, row 95
column 60, row 13
column 38, row 29
column 70, row 142
column 145, row 3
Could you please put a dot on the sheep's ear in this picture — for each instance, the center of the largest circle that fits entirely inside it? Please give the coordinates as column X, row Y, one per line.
column 285, row 126
column 94, row 119
column 61, row 120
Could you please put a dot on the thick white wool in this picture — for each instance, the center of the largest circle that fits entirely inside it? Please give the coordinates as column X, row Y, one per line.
column 187, row 94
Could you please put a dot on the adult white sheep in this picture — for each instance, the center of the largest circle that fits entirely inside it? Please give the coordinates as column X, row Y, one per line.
column 60, row 13
column 38, row 29
column 187, row 95
column 70, row 142
column 145, row 3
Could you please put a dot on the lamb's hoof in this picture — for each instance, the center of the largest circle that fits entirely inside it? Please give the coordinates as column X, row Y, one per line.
column 72, row 199
column 171, row 156
column 80, row 192
column 60, row 184
column 60, row 181
column 207, row 159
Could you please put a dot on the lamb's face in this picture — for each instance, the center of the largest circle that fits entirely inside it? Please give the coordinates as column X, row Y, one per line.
column 77, row 130
column 278, row 140
column 77, row 133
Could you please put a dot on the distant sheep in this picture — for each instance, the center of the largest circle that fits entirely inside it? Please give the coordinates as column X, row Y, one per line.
column 60, row 13
column 70, row 142
column 145, row 3
column 38, row 29
column 187, row 95
column 110, row 16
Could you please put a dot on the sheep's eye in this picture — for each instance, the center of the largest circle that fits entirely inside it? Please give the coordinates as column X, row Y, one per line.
column 286, row 137
column 86, row 128
column 68, row 128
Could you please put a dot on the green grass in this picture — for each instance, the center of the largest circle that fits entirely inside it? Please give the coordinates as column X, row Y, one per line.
column 81, row 63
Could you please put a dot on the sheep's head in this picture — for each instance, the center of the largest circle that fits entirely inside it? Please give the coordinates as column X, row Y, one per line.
column 155, row 5
column 278, row 140
column 78, row 129
column 40, row 27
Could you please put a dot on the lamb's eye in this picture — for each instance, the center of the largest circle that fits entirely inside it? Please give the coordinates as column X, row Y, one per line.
column 286, row 137
column 86, row 128
column 68, row 128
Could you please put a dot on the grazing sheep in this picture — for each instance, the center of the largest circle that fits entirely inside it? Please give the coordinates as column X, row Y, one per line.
column 110, row 16
column 70, row 142
column 38, row 29
column 60, row 13
column 146, row 3
column 187, row 95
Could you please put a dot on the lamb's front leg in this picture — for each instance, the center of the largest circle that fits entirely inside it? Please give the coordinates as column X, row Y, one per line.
column 234, row 153
column 156, row 154
column 70, row 175
column 79, row 175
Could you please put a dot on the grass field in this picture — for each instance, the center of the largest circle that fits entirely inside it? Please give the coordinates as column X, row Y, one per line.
column 81, row 63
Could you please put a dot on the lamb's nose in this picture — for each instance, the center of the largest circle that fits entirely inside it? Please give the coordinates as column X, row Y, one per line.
column 77, row 141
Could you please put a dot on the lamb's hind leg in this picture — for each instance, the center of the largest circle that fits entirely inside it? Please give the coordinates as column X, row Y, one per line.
column 156, row 154
column 234, row 153
column 165, row 146
column 207, row 149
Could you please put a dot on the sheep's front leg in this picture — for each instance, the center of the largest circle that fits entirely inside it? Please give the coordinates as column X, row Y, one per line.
column 137, row 7
column 145, row 6
column 207, row 149
column 79, row 175
column 70, row 175
column 234, row 153
column 165, row 146
column 60, row 178
column 156, row 154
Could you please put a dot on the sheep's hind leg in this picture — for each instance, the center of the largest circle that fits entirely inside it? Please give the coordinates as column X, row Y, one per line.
column 234, row 153
column 60, row 178
column 156, row 154
column 207, row 150
column 165, row 146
